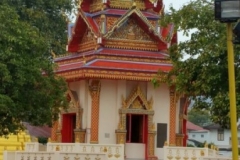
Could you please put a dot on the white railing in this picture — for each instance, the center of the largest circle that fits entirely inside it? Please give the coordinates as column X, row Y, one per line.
column 68, row 151
column 113, row 151
column 22, row 155
column 183, row 153
column 216, row 158
column 63, row 147
column 32, row 146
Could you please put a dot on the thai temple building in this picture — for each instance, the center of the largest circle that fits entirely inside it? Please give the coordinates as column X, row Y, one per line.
column 115, row 49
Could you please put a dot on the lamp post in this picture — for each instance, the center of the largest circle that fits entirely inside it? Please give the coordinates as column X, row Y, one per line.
column 228, row 11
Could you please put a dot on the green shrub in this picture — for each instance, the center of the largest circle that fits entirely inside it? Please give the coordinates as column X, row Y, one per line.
column 42, row 140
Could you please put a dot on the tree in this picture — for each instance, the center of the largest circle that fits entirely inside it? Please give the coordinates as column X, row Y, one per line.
column 48, row 16
column 199, row 117
column 204, row 75
column 30, row 91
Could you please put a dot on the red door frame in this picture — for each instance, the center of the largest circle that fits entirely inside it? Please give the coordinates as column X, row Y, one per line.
column 67, row 127
column 145, row 131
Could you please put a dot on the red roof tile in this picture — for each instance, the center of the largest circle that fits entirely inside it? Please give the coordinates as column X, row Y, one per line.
column 191, row 126
column 93, row 24
column 134, row 53
column 71, row 66
column 130, row 66
column 121, row 12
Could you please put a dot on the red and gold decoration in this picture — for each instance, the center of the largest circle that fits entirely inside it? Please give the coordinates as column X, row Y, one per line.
column 94, row 88
column 118, row 40
column 137, row 103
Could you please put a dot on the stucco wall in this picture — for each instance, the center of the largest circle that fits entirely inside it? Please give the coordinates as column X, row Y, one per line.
column 108, row 114
column 110, row 102
column 161, row 107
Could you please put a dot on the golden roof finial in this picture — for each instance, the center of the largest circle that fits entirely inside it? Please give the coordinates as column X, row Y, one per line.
column 161, row 11
column 134, row 4
column 53, row 54
column 84, row 59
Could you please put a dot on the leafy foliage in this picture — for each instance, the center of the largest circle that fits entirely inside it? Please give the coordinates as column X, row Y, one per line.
column 204, row 75
column 30, row 91
column 199, row 117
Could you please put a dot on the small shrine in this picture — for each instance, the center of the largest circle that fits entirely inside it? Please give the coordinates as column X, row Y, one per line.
column 115, row 49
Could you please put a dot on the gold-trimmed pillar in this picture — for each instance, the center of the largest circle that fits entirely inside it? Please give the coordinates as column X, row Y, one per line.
column 172, row 118
column 121, row 132
column 94, row 89
column 151, row 139
column 59, row 136
column 54, row 131
column 179, row 139
column 80, row 135
column 79, row 132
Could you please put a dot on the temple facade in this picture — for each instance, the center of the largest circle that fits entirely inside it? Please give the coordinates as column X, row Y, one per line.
column 115, row 49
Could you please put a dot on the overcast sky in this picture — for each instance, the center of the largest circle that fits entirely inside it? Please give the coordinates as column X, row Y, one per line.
column 176, row 4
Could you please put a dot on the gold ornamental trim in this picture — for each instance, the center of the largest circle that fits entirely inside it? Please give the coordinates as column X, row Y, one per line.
column 104, row 74
column 87, row 46
column 117, row 57
column 131, row 44
column 127, row 4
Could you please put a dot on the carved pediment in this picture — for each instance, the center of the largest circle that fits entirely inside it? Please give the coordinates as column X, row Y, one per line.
column 130, row 30
column 73, row 100
column 131, row 36
column 137, row 100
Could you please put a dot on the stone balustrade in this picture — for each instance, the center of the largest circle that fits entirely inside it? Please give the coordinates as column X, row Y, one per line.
column 68, row 151
column 32, row 146
column 183, row 153
column 113, row 151
column 23, row 155
column 216, row 158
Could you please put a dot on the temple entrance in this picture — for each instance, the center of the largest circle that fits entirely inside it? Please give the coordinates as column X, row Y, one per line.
column 137, row 129
column 68, row 126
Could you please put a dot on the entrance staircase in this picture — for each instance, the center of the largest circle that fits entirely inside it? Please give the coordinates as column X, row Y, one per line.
column 13, row 142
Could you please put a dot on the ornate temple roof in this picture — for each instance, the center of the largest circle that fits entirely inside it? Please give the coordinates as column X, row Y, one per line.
column 118, row 42
column 97, row 5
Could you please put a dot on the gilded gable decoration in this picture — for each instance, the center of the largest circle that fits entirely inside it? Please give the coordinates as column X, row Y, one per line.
column 73, row 101
column 136, row 103
column 130, row 30
column 137, row 100
column 122, row 21
column 126, row 33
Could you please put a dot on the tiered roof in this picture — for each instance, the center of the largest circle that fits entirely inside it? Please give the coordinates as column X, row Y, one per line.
column 117, row 42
